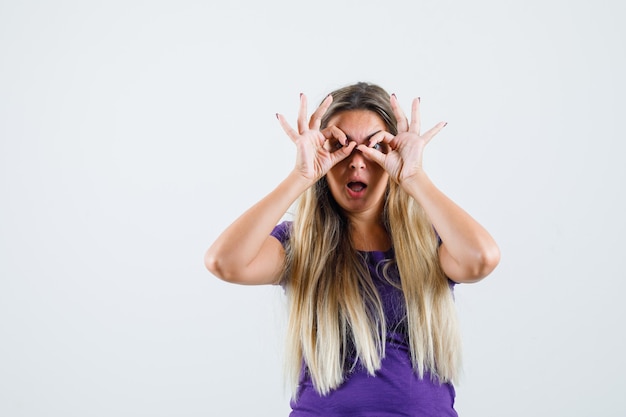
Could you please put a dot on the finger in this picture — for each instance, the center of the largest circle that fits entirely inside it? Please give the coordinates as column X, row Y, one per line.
column 316, row 117
column 302, row 124
column 433, row 131
column 342, row 153
column 372, row 154
column 286, row 127
column 387, row 138
column 381, row 138
column 336, row 133
column 403, row 123
column 415, row 116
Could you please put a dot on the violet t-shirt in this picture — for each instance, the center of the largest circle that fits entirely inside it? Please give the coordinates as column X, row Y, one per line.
column 395, row 390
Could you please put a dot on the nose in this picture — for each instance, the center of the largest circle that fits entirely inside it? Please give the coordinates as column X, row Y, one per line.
column 357, row 160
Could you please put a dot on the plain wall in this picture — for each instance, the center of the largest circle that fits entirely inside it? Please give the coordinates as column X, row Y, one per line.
column 133, row 132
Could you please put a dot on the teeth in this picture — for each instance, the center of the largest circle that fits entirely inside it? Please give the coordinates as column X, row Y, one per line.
column 356, row 186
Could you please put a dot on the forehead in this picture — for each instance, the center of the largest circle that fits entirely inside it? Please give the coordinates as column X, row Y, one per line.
column 358, row 124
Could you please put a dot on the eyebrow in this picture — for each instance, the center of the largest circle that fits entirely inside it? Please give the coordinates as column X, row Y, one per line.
column 368, row 137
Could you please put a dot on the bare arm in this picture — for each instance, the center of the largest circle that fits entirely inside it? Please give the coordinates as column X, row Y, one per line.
column 245, row 253
column 468, row 253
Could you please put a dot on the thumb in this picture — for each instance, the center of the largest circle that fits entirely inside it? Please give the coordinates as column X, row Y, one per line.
column 372, row 154
column 342, row 153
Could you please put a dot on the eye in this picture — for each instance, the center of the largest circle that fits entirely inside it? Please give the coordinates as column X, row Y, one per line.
column 336, row 145
column 381, row 147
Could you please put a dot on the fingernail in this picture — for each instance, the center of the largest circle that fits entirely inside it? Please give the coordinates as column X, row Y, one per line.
column 445, row 124
column 419, row 99
column 300, row 95
column 394, row 95
column 277, row 116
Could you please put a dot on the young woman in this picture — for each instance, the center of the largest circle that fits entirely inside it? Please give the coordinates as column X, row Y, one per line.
column 368, row 264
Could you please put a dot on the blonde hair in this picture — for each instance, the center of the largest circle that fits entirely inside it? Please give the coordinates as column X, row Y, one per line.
column 335, row 311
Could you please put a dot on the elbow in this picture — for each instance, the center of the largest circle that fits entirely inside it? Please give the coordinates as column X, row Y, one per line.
column 472, row 265
column 478, row 266
column 224, row 268
column 213, row 264
column 490, row 259
column 487, row 259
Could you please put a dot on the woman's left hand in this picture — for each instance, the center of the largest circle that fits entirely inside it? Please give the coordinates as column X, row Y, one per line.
column 402, row 155
column 467, row 252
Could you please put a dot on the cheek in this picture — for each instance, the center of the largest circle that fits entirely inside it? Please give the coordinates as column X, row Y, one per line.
column 331, row 179
column 338, row 171
column 381, row 175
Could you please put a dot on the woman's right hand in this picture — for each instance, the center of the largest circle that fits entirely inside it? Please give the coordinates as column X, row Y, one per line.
column 317, row 150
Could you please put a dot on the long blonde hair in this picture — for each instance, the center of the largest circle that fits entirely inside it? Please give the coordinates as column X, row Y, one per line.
column 335, row 311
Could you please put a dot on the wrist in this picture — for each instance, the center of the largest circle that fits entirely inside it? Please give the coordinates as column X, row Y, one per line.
column 415, row 180
column 300, row 182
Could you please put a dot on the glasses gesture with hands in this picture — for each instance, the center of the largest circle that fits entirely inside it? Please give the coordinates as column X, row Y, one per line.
column 315, row 153
column 402, row 155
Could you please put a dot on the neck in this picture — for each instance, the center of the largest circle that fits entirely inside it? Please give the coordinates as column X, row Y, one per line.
column 369, row 233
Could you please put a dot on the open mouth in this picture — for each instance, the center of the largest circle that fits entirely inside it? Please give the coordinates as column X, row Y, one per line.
column 357, row 186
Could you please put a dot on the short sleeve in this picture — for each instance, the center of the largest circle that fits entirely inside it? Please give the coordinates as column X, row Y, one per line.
column 282, row 232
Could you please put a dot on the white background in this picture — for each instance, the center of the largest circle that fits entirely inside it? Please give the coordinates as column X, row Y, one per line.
column 133, row 132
